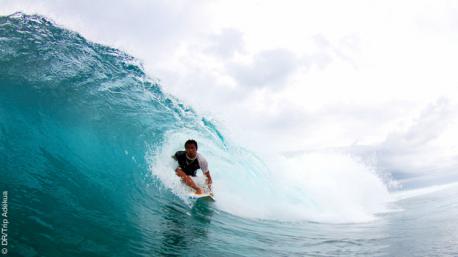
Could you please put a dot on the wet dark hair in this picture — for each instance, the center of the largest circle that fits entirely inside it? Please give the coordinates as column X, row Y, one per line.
column 190, row 142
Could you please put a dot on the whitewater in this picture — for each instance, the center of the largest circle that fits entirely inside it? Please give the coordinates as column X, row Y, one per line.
column 85, row 143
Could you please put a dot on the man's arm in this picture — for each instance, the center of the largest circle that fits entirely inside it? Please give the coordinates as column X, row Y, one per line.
column 208, row 180
column 188, row 181
column 203, row 164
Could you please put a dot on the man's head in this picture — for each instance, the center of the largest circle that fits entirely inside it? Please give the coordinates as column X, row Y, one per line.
column 191, row 148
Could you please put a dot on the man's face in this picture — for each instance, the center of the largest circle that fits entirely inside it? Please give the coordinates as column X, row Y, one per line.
column 191, row 150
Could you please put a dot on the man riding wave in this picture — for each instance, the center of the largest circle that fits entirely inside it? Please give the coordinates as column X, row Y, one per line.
column 189, row 161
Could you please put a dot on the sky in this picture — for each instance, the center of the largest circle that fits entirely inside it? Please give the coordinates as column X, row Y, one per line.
column 289, row 76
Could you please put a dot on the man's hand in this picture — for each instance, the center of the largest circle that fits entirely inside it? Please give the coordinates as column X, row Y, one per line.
column 199, row 191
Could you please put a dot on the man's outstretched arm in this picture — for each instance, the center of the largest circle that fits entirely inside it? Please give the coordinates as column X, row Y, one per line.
column 188, row 181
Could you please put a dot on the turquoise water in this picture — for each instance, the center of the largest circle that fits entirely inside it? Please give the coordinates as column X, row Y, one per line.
column 85, row 140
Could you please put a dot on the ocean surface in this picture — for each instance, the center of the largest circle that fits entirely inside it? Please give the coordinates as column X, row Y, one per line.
column 85, row 144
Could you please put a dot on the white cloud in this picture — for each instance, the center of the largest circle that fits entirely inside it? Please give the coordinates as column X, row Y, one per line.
column 268, row 68
column 427, row 145
column 226, row 43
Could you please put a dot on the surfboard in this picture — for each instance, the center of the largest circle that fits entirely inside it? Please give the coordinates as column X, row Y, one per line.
column 202, row 197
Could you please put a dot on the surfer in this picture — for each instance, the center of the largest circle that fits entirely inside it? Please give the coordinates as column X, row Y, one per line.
column 189, row 161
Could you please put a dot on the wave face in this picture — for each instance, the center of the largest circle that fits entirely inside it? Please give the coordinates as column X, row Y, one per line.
column 85, row 145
